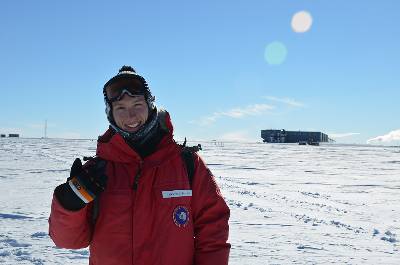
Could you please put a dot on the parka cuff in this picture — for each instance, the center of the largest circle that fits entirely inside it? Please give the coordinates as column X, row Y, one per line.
column 219, row 257
column 67, row 198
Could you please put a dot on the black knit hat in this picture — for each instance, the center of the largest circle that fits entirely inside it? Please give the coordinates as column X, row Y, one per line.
column 127, row 73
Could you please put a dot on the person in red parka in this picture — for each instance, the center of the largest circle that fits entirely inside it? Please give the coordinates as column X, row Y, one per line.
column 135, row 203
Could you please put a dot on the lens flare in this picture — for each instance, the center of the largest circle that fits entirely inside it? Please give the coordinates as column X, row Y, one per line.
column 275, row 53
column 301, row 22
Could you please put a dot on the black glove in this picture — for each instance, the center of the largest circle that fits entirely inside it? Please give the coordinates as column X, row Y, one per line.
column 84, row 184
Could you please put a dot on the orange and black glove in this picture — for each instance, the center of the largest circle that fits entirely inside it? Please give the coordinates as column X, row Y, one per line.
column 84, row 184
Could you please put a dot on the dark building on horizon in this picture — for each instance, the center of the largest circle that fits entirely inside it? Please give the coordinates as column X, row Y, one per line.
column 283, row 136
column 13, row 135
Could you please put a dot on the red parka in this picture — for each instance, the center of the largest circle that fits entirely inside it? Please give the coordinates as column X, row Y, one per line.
column 141, row 226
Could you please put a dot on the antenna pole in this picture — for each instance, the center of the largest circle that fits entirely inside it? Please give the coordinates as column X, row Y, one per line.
column 45, row 129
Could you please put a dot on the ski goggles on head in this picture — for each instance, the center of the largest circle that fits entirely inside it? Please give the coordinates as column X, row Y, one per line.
column 118, row 94
column 115, row 93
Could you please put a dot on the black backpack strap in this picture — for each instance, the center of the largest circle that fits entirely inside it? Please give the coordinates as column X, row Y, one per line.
column 188, row 159
column 95, row 210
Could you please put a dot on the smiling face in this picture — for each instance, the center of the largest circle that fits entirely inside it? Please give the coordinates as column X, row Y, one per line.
column 130, row 113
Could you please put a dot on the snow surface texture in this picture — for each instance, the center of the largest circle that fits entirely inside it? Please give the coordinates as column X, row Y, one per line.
column 290, row 204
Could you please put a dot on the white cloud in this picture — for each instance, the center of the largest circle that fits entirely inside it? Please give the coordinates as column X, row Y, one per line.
column 341, row 135
column 387, row 138
column 68, row 135
column 250, row 110
column 204, row 121
column 40, row 125
column 35, row 126
column 235, row 113
column 10, row 130
column 287, row 101
column 237, row 136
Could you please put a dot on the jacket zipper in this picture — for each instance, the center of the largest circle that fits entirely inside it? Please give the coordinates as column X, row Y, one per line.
column 137, row 177
column 135, row 187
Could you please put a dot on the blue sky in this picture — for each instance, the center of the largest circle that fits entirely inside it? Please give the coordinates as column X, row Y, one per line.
column 205, row 62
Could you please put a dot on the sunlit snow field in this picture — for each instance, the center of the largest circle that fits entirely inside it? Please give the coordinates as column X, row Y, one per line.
column 290, row 204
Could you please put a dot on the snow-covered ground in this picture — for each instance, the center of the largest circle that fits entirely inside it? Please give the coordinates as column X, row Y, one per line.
column 290, row 204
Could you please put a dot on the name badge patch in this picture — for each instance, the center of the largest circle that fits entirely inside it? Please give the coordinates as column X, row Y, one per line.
column 176, row 193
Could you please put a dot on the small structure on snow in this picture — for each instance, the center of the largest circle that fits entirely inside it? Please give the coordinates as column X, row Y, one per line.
column 301, row 137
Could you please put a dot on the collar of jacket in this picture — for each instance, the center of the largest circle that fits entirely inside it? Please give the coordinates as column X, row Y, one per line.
column 113, row 147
